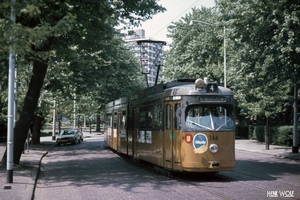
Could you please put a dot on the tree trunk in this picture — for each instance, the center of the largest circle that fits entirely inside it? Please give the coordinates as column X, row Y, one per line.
column 36, row 131
column 59, row 124
column 30, row 102
column 98, row 123
column 90, row 125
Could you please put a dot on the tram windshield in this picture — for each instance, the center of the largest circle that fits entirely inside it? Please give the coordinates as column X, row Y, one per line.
column 215, row 118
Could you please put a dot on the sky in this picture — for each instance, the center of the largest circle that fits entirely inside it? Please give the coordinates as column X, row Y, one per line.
column 156, row 28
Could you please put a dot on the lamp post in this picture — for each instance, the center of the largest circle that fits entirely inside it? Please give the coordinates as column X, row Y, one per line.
column 54, row 120
column 11, row 101
column 224, row 36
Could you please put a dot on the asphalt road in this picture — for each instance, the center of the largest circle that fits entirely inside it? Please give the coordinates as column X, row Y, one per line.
column 89, row 171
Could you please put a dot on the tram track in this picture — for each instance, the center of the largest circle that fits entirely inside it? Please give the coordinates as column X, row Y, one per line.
column 254, row 178
column 245, row 182
column 204, row 188
column 178, row 176
column 249, row 181
column 187, row 180
column 207, row 184
column 223, row 185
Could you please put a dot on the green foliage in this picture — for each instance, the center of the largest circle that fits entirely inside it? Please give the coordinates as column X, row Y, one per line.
column 241, row 131
column 197, row 48
column 3, row 89
column 278, row 135
column 283, row 135
column 84, row 51
column 258, row 133
column 262, row 59
column 264, row 37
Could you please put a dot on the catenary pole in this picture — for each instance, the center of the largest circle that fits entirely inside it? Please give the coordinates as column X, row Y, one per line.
column 74, row 112
column 295, row 148
column 225, row 70
column 54, row 120
column 11, row 101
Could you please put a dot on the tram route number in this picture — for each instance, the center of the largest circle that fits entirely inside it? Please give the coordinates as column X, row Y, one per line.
column 212, row 137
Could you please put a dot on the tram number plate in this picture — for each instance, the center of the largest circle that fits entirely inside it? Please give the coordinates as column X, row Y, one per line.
column 213, row 137
column 212, row 88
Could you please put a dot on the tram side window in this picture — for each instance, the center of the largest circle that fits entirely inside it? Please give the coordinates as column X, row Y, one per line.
column 119, row 122
column 130, row 119
column 177, row 116
column 149, row 117
column 168, row 116
column 146, row 117
column 161, row 119
column 109, row 120
column 157, row 119
column 115, row 121
column 123, row 122
column 142, row 118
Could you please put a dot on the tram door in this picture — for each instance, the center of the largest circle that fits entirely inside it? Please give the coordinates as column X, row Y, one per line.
column 119, row 124
column 135, row 131
column 171, row 135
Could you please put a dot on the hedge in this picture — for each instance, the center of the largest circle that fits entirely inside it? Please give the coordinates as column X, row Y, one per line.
column 278, row 135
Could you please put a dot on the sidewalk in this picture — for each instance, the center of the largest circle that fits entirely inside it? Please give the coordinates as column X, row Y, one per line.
column 259, row 147
column 25, row 174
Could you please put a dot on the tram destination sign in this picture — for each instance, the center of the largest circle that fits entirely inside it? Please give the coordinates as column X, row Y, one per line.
column 212, row 99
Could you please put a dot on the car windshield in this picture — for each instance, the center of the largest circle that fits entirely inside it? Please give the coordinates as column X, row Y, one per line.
column 201, row 117
column 67, row 132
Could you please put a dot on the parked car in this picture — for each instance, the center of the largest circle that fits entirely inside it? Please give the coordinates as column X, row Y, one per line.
column 72, row 136
column 81, row 134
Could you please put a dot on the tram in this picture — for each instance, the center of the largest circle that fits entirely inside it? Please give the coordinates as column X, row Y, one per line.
column 185, row 125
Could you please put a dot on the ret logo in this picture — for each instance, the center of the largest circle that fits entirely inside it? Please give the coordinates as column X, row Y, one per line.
column 200, row 143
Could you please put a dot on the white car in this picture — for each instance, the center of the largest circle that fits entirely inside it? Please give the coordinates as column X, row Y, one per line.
column 72, row 136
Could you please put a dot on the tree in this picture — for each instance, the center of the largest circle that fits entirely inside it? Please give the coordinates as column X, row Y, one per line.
column 265, row 37
column 50, row 31
column 262, row 39
column 3, row 98
column 198, row 48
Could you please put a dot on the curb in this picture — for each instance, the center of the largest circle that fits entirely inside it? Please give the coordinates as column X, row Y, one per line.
column 294, row 157
column 37, row 173
column 288, row 156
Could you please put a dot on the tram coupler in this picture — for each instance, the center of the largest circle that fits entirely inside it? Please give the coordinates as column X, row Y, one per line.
column 214, row 164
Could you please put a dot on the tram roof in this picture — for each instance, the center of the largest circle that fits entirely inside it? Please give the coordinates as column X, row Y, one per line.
column 184, row 86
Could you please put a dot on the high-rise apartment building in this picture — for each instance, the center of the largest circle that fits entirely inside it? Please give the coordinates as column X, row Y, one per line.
column 148, row 52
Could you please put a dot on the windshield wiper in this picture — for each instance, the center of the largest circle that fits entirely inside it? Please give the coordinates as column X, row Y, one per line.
column 200, row 125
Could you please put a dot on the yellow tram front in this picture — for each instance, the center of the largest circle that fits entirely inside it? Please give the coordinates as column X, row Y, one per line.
column 199, row 130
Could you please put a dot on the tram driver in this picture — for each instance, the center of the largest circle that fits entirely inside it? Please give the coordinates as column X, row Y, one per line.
column 210, row 120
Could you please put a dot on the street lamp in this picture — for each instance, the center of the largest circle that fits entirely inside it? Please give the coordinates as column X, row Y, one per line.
column 224, row 36
column 54, row 120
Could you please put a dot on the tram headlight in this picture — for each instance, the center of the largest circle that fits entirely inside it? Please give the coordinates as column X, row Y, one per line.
column 213, row 148
column 199, row 84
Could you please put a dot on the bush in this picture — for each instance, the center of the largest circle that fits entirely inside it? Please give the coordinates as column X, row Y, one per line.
column 259, row 133
column 278, row 135
column 283, row 135
column 241, row 131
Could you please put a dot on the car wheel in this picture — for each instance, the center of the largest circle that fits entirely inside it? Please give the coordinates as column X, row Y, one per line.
column 58, row 144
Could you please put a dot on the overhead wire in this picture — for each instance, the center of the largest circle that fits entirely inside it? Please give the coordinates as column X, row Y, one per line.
column 175, row 18
column 163, row 29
